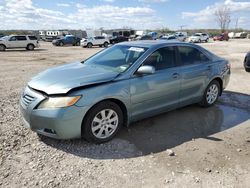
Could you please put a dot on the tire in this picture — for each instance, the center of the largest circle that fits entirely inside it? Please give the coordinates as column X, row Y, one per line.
column 89, row 45
column 30, row 47
column 247, row 69
column 214, row 89
column 105, row 44
column 199, row 41
column 206, row 40
column 95, row 131
column 2, row 47
column 61, row 44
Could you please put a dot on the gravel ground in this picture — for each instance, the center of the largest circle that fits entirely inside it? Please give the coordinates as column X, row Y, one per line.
column 188, row 147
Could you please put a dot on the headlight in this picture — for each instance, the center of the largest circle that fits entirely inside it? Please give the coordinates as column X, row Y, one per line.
column 58, row 102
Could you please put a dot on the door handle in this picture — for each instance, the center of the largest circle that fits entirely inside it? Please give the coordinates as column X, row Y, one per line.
column 175, row 75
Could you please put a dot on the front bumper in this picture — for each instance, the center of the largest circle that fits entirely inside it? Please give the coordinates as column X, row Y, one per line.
column 59, row 123
column 83, row 44
column 193, row 40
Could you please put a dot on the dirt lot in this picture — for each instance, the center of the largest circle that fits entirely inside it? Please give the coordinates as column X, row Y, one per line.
column 211, row 146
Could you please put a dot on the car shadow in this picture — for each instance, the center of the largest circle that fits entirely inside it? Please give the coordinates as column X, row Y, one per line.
column 156, row 134
column 24, row 50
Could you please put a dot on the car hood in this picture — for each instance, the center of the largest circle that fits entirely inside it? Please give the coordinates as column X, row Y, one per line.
column 62, row 79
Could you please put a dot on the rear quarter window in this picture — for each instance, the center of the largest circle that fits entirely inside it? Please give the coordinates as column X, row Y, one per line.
column 32, row 38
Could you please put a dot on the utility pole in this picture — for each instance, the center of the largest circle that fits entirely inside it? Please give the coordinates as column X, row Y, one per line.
column 236, row 24
column 181, row 26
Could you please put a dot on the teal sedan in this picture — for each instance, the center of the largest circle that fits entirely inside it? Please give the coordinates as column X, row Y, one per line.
column 124, row 83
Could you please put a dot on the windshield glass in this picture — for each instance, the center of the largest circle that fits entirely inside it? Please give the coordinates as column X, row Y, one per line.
column 5, row 38
column 117, row 58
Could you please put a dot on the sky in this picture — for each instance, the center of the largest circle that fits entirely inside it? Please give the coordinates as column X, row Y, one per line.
column 113, row 14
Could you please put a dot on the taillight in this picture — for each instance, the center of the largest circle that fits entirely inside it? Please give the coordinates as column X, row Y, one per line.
column 228, row 65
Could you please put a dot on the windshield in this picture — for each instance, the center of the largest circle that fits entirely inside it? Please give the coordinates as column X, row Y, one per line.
column 5, row 38
column 117, row 58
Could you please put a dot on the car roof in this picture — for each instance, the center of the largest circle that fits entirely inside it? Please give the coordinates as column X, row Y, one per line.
column 149, row 43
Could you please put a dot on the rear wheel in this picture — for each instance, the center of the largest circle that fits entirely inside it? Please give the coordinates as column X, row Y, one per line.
column 211, row 94
column 247, row 69
column 30, row 47
column 102, row 122
column 2, row 47
column 89, row 45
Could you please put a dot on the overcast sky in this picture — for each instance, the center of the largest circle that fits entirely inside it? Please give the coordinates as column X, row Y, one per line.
column 136, row 14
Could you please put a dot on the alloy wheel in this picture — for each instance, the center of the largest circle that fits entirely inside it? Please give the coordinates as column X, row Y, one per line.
column 212, row 94
column 104, row 124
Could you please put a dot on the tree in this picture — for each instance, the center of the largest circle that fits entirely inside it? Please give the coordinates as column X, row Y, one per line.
column 223, row 17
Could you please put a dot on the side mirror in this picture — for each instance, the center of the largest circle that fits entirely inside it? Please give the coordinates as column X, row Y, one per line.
column 145, row 69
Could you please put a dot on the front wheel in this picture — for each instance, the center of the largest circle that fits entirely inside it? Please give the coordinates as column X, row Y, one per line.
column 89, row 45
column 211, row 94
column 2, row 47
column 105, row 44
column 102, row 122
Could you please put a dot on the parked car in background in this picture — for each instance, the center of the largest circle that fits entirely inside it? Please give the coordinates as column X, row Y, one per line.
column 247, row 62
column 18, row 41
column 127, row 82
column 95, row 41
column 146, row 37
column 180, row 37
column 1, row 35
column 169, row 37
column 199, row 37
column 67, row 40
column 223, row 36
column 185, row 34
column 117, row 39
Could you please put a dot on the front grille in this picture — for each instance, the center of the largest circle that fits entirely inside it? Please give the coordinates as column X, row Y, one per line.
column 27, row 99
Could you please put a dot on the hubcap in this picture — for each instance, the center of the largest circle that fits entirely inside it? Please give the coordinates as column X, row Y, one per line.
column 104, row 123
column 212, row 94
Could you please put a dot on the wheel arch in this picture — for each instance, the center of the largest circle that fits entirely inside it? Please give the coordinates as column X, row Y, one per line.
column 218, row 79
column 4, row 45
column 114, row 100
column 30, row 44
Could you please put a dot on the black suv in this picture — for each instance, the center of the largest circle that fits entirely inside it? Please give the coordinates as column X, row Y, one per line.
column 247, row 62
column 67, row 40
column 117, row 39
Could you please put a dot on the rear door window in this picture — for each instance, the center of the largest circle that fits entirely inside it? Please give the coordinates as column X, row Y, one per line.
column 21, row 38
column 189, row 55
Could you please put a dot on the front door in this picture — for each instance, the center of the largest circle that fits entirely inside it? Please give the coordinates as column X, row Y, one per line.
column 157, row 92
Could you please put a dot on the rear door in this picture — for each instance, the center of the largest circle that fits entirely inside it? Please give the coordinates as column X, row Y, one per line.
column 195, row 70
column 21, row 41
column 157, row 92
